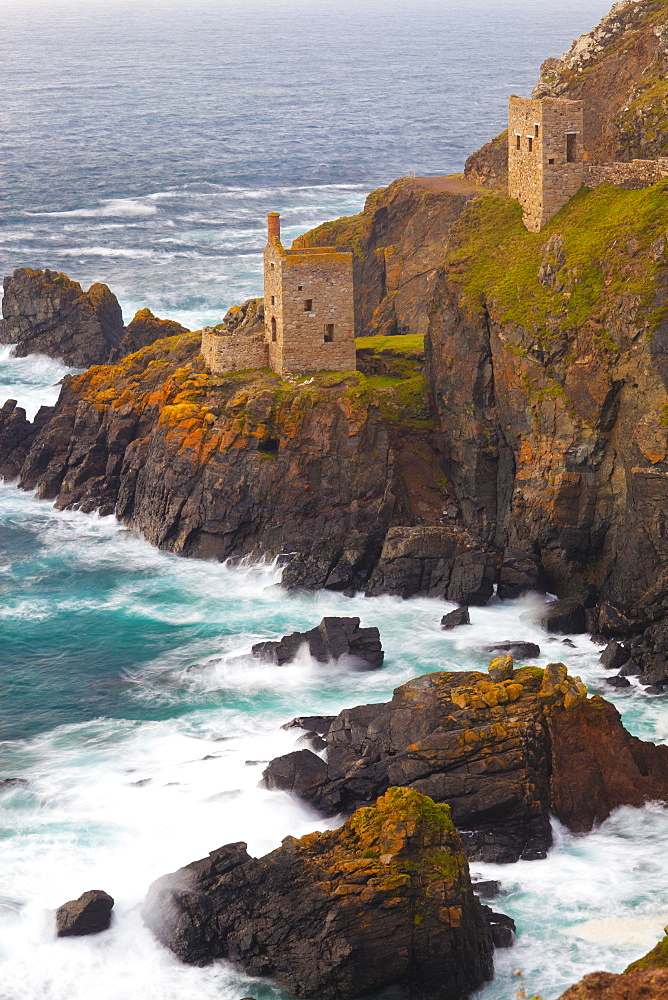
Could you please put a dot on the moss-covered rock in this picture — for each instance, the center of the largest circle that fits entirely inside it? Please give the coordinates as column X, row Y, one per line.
column 657, row 958
column 384, row 901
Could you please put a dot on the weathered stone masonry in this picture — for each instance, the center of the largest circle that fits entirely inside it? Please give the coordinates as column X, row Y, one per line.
column 228, row 352
column 308, row 314
column 546, row 159
column 308, row 307
column 636, row 174
column 545, row 149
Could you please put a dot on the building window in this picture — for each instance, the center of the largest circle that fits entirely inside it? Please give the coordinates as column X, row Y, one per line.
column 299, row 288
column 271, row 266
column 308, row 305
column 571, row 138
column 530, row 143
column 536, row 127
column 273, row 300
column 273, row 330
column 518, row 142
column 329, row 333
column 551, row 160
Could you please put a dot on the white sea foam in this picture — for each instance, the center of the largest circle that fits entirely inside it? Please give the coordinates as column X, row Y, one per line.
column 33, row 381
column 127, row 208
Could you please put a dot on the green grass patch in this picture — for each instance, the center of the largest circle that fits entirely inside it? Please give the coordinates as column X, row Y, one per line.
column 497, row 261
column 409, row 343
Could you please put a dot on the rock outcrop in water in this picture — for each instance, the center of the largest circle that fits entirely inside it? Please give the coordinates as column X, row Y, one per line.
column 504, row 750
column 44, row 312
column 332, row 639
column 385, row 900
column 89, row 914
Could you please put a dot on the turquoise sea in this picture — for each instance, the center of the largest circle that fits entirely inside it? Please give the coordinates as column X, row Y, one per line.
column 143, row 144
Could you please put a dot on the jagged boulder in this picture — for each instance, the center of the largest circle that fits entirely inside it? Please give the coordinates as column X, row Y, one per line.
column 45, row 312
column 568, row 616
column 89, row 914
column 460, row 616
column 385, row 900
column 503, row 749
column 143, row 330
column 330, row 640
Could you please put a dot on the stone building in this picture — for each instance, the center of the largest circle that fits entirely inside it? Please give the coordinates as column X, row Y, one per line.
column 308, row 317
column 545, row 155
column 308, row 306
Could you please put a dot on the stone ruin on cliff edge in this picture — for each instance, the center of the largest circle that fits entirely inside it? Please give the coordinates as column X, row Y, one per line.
column 309, row 317
column 548, row 161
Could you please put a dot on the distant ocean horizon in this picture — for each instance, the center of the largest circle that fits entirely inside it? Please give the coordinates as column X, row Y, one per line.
column 143, row 142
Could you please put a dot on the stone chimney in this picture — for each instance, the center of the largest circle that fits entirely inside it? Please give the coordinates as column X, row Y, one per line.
column 274, row 227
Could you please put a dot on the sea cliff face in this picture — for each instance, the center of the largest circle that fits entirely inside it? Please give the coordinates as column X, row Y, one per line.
column 546, row 363
column 539, row 439
column 317, row 469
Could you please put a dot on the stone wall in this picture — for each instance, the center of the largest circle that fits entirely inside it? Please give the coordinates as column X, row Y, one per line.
column 545, row 168
column 322, row 337
column 636, row 174
column 229, row 352
column 308, row 307
column 273, row 301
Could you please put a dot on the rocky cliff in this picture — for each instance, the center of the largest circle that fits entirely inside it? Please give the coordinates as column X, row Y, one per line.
column 45, row 312
column 321, row 470
column 384, row 901
column 142, row 330
column 539, row 458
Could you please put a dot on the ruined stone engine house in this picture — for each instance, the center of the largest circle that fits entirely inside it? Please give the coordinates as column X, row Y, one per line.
column 545, row 148
column 547, row 159
column 309, row 314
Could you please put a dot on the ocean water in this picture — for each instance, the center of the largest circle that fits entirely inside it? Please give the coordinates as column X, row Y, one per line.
column 143, row 143
column 144, row 140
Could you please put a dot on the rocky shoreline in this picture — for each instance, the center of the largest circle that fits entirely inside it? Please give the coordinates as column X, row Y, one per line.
column 505, row 751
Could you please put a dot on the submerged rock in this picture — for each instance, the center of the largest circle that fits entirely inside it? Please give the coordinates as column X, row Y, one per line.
column 385, row 900
column 7, row 783
column 330, row 640
column 519, row 650
column 89, row 914
column 503, row 749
